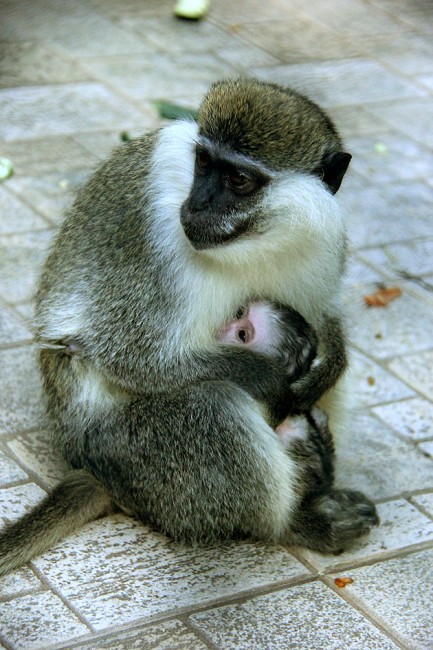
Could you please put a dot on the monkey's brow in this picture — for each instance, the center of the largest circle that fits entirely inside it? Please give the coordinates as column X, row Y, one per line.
column 234, row 158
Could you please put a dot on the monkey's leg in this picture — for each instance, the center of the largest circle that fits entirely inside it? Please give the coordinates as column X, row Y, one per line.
column 203, row 464
column 78, row 499
column 327, row 519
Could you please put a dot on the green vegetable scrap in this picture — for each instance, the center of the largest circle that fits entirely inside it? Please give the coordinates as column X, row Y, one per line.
column 6, row 169
column 175, row 112
column 191, row 9
column 381, row 148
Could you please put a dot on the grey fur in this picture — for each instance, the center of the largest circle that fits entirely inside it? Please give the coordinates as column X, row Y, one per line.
column 156, row 416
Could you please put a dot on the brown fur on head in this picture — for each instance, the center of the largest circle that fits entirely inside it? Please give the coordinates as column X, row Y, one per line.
column 278, row 126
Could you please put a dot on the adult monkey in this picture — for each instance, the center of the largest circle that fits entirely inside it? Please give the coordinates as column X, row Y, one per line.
column 154, row 410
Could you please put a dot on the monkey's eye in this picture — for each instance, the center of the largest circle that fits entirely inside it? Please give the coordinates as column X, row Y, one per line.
column 203, row 161
column 240, row 182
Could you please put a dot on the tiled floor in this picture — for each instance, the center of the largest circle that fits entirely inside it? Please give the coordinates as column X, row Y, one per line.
column 73, row 75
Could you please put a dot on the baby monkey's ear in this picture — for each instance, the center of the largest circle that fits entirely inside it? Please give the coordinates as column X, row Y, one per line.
column 333, row 167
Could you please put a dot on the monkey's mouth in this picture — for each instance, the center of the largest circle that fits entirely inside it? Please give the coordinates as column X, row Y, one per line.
column 204, row 231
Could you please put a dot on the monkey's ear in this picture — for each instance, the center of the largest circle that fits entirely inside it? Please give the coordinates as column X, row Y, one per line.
column 333, row 167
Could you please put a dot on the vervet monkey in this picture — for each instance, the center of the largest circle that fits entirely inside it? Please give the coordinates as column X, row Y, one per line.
column 154, row 410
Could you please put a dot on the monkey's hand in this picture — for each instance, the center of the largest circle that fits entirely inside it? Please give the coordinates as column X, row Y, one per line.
column 327, row 519
column 307, row 389
column 298, row 348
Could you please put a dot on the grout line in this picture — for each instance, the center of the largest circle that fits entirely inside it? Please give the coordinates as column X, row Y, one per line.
column 366, row 613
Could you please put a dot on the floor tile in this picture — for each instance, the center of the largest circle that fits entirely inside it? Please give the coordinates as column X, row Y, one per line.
column 21, row 258
column 51, row 194
column 36, row 452
column 38, row 111
column 417, row 127
column 172, row 635
column 309, row 41
column 389, row 157
column 416, row 370
column 47, row 155
column 307, row 616
column 372, row 459
column 411, row 53
column 426, row 80
column 231, row 14
column 356, row 276
column 355, row 121
column 160, row 75
column 245, row 55
column 100, row 143
column 163, row 34
column 352, row 17
column 399, row 593
column 411, row 418
column 10, row 472
column 17, row 582
column 34, row 63
column 18, row 499
column 416, row 257
column 368, row 211
column 12, row 330
column 417, row 14
column 372, row 384
column 71, row 26
column 20, row 391
column 426, row 448
column 343, row 83
column 403, row 326
column 16, row 215
column 115, row 569
column 36, row 621
column 425, row 501
column 74, row 76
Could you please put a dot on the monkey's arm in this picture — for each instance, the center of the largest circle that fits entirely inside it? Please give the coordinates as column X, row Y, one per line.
column 326, row 370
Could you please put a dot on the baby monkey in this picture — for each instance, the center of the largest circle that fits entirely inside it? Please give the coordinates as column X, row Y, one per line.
column 260, row 327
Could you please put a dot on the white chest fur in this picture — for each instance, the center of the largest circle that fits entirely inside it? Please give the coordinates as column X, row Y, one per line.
column 297, row 259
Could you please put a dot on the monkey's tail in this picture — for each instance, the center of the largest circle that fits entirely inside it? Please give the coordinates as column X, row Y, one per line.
column 78, row 499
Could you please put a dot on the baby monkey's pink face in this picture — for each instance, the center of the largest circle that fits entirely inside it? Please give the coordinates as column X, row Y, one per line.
column 257, row 327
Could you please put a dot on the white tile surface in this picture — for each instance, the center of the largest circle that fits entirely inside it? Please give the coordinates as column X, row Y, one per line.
column 372, row 384
column 20, row 391
column 38, row 620
column 10, row 471
column 417, row 371
column 15, row 501
column 36, row 452
column 115, row 569
column 400, row 593
column 372, row 459
column 307, row 616
column 412, row 418
column 172, row 635
column 18, row 582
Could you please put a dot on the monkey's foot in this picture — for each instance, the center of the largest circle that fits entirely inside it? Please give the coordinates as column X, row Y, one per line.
column 332, row 522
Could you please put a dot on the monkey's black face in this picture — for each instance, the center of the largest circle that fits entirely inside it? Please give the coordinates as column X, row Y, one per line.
column 219, row 206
